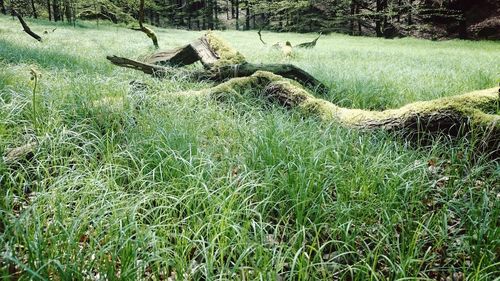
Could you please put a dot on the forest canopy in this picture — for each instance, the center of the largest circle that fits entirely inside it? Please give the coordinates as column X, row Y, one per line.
column 431, row 19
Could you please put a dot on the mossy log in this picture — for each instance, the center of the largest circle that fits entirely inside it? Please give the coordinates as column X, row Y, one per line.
column 220, row 61
column 289, row 71
column 473, row 113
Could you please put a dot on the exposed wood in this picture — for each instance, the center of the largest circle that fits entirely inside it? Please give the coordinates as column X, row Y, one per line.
column 199, row 50
column 211, row 51
column 147, row 68
column 182, row 56
column 309, row 45
column 26, row 28
column 206, row 54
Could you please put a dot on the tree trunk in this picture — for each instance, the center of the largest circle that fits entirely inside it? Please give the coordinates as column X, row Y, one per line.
column 351, row 21
column 378, row 19
column 2, row 7
column 232, row 9
column 216, row 15
column 247, row 17
column 220, row 61
column 67, row 10
column 237, row 13
column 209, row 14
column 33, row 8
column 56, row 9
column 410, row 11
column 359, row 20
column 49, row 10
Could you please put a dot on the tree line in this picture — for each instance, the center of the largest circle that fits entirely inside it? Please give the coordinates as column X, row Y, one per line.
column 432, row 19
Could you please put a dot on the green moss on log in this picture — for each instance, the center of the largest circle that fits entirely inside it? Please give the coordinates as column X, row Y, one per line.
column 227, row 55
column 472, row 111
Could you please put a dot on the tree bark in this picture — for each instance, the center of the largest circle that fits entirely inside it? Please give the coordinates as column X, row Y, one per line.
column 57, row 10
column 33, row 8
column 237, row 13
column 2, row 7
column 67, row 10
column 26, row 28
column 247, row 16
column 49, row 10
column 378, row 19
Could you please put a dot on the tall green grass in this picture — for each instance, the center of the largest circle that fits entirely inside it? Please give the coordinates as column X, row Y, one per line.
column 124, row 187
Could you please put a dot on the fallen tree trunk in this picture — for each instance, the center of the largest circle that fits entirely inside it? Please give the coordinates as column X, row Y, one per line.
column 473, row 113
column 227, row 72
column 469, row 114
column 289, row 71
column 220, row 61
column 26, row 28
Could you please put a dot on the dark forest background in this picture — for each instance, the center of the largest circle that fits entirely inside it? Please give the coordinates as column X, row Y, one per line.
column 431, row 19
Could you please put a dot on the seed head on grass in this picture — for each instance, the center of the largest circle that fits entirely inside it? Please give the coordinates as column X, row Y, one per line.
column 35, row 75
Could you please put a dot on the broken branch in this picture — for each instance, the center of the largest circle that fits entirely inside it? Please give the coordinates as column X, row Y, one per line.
column 26, row 28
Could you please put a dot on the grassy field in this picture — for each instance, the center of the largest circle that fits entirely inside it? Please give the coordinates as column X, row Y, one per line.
column 123, row 187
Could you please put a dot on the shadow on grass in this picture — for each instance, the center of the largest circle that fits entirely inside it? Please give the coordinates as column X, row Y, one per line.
column 47, row 58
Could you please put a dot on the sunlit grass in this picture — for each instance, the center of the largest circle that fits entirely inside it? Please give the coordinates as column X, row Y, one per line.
column 122, row 187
